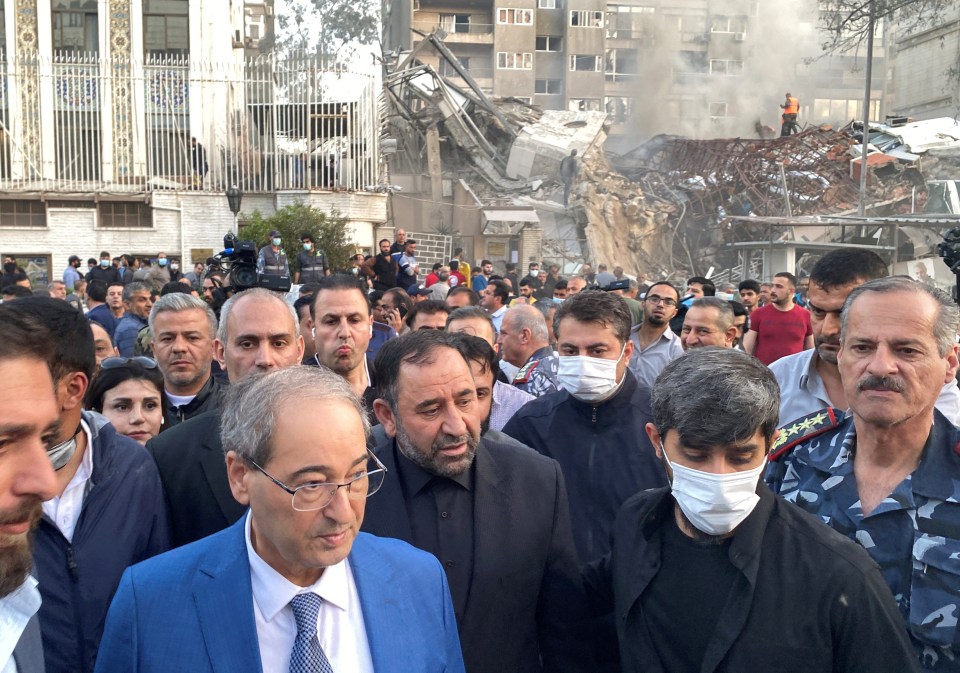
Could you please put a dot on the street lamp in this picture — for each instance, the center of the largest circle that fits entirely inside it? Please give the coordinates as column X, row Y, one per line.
column 234, row 197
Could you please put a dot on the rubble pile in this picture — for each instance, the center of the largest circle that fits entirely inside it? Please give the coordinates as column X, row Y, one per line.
column 664, row 207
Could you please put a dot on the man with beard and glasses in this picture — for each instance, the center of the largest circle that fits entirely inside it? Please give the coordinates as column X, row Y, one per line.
column 28, row 426
column 494, row 515
column 107, row 510
column 887, row 472
column 782, row 328
column 654, row 343
column 716, row 574
column 810, row 380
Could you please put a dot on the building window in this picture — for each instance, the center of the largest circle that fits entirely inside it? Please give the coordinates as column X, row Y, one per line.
column 447, row 69
column 455, row 23
column 525, row 99
column 75, row 27
column 124, row 214
column 548, row 4
column 3, row 31
column 519, row 17
column 618, row 107
column 548, row 86
column 549, row 43
column 726, row 67
column 718, row 109
column 728, row 24
column 253, row 25
column 166, row 28
column 584, row 105
column 842, row 110
column 585, row 63
column 514, row 61
column 627, row 21
column 585, row 18
column 23, row 213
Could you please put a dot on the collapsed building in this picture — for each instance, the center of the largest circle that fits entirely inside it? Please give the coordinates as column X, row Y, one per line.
column 485, row 171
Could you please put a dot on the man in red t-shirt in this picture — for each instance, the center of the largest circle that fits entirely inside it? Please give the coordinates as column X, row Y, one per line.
column 781, row 327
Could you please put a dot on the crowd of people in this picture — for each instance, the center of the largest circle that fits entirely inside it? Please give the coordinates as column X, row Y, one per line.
column 461, row 469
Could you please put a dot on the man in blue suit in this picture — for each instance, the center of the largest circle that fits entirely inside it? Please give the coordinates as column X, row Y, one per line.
column 293, row 586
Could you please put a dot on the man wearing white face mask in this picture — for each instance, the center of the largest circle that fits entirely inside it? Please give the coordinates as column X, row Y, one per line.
column 594, row 426
column 756, row 584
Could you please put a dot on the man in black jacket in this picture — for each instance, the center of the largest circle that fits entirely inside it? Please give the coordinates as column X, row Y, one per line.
column 183, row 329
column 594, row 426
column 715, row 573
column 258, row 332
column 107, row 512
column 495, row 515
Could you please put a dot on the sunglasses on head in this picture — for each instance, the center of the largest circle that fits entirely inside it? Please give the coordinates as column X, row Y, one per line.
column 142, row 360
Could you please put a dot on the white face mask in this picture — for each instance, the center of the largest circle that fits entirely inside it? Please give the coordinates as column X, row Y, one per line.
column 715, row 503
column 588, row 379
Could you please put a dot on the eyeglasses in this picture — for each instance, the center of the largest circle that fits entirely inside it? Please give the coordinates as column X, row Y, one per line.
column 655, row 300
column 317, row 495
column 142, row 360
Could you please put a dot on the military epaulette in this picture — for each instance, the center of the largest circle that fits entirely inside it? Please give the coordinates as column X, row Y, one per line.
column 523, row 376
column 804, row 428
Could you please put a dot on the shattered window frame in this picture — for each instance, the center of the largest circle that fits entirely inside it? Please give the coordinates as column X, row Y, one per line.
column 719, row 109
column 728, row 24
column 548, row 42
column 551, row 87
column 511, row 16
column 620, row 108
column 586, row 18
column 511, row 59
column 584, row 105
column 597, row 63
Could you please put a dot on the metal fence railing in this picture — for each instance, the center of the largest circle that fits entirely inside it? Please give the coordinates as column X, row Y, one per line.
column 76, row 123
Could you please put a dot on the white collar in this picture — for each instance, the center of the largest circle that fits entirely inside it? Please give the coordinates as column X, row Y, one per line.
column 499, row 312
column 273, row 592
column 16, row 610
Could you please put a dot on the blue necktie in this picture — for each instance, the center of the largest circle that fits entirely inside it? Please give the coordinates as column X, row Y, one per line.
column 307, row 655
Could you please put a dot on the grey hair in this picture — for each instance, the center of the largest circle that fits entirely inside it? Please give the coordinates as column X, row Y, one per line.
column 228, row 305
column 177, row 302
column 948, row 315
column 249, row 408
column 528, row 317
column 716, row 396
column 725, row 315
column 132, row 288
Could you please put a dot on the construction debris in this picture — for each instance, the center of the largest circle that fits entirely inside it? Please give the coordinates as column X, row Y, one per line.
column 669, row 207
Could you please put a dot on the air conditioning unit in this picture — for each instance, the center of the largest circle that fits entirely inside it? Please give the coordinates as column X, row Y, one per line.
column 739, row 37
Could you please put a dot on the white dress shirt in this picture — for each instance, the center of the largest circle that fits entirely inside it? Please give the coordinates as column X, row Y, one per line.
column 16, row 610
column 340, row 625
column 497, row 317
column 507, row 400
column 802, row 391
column 64, row 510
column 647, row 363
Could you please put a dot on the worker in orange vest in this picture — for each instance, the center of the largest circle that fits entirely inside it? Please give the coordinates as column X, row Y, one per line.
column 791, row 108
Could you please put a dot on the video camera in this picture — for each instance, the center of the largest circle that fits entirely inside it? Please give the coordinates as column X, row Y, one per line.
column 239, row 260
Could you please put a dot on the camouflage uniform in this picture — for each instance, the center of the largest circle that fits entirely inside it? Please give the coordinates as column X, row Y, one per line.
column 539, row 375
column 913, row 535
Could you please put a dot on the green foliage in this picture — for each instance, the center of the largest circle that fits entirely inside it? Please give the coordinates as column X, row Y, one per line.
column 331, row 233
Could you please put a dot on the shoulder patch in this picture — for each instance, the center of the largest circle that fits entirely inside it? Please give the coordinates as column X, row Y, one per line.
column 804, row 428
column 523, row 376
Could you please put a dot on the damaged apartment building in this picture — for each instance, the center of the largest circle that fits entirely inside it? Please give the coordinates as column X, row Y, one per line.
column 485, row 171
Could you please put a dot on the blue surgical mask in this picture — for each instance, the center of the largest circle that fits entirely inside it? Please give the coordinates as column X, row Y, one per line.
column 276, row 241
column 307, row 246
column 104, row 263
column 162, row 262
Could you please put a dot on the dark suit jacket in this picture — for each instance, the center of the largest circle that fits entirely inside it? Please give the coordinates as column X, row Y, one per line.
column 29, row 650
column 194, row 475
column 525, row 597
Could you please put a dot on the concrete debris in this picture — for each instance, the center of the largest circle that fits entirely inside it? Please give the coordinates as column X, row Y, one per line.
column 660, row 209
